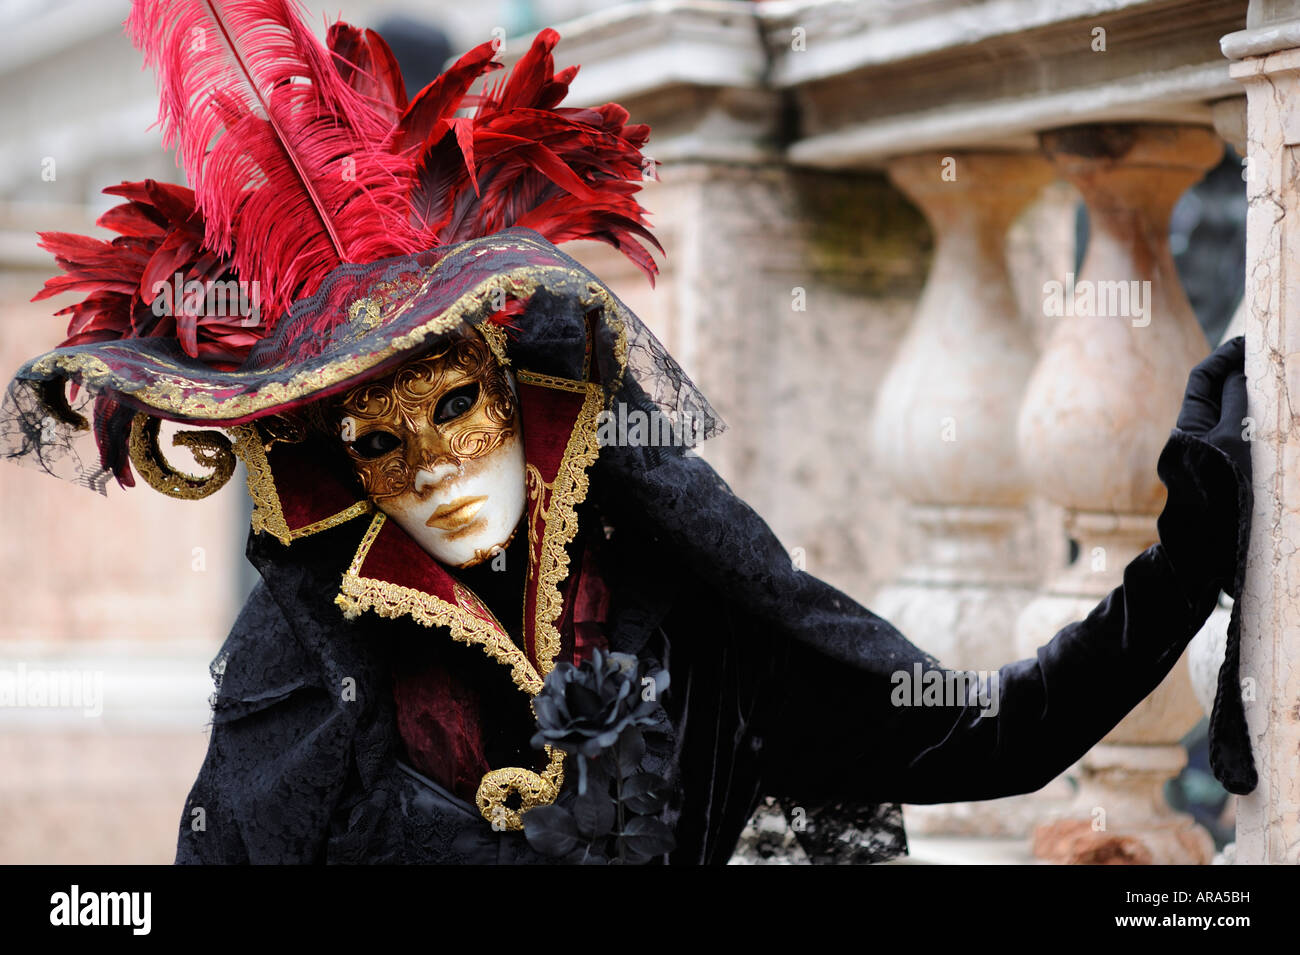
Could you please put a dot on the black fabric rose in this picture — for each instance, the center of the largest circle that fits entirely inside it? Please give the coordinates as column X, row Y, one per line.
column 584, row 709
column 601, row 713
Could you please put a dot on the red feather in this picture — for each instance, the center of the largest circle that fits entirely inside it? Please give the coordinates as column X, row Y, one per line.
column 285, row 114
column 305, row 157
column 566, row 173
column 288, row 160
column 442, row 97
column 161, row 235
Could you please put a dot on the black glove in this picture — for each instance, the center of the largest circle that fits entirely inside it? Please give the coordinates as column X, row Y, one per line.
column 1214, row 405
column 1206, row 467
column 1205, row 529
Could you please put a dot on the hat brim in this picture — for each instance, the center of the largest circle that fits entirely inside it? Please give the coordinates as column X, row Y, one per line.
column 363, row 321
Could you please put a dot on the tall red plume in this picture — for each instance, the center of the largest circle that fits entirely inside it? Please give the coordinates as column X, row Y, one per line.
column 304, row 158
column 287, row 159
column 566, row 173
column 317, row 157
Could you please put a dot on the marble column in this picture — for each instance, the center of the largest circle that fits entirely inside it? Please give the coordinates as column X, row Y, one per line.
column 1267, row 61
column 1096, row 414
column 944, row 434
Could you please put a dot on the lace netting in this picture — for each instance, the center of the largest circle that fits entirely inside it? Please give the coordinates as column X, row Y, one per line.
column 853, row 834
column 32, row 436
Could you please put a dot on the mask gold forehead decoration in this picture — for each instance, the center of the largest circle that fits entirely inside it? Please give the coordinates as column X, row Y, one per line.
column 436, row 445
column 447, row 407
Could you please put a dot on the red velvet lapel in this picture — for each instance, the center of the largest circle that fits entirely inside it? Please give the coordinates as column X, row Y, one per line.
column 393, row 575
column 294, row 494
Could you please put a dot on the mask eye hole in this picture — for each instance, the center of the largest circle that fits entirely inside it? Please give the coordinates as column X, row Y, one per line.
column 374, row 444
column 455, row 403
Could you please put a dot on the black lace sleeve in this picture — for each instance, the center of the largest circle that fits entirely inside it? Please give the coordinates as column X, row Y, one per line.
column 211, row 829
column 300, row 721
column 1042, row 713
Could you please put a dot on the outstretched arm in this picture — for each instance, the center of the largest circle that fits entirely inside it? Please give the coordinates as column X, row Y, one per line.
column 828, row 729
column 1050, row 709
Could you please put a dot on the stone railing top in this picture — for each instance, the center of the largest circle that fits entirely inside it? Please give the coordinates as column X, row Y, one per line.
column 852, row 35
column 870, row 79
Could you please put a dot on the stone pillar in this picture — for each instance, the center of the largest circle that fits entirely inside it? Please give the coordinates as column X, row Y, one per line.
column 944, row 434
column 1267, row 61
column 1230, row 123
column 1096, row 414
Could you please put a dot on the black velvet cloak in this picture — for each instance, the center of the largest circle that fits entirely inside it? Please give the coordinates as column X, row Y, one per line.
column 781, row 685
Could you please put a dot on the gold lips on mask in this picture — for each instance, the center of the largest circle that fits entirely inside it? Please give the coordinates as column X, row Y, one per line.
column 435, row 412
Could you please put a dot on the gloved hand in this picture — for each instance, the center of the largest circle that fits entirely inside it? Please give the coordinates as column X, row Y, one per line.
column 1205, row 529
column 1214, row 405
column 1206, row 467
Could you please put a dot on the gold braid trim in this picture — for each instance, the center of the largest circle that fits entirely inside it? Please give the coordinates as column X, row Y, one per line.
column 550, row 381
column 614, row 319
column 268, row 515
column 180, row 396
column 571, row 484
column 210, row 448
column 473, row 625
column 268, row 512
column 359, row 594
column 334, row 520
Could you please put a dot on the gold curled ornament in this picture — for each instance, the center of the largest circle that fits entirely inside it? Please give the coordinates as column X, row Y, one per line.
column 211, row 449
column 528, row 789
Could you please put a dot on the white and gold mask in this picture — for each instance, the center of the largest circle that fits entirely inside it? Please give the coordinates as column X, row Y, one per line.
column 438, row 448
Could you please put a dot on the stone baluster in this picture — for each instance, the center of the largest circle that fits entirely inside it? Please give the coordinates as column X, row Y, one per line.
column 1096, row 413
column 944, row 434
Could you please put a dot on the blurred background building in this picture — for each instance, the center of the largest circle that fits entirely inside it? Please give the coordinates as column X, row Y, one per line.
column 884, row 190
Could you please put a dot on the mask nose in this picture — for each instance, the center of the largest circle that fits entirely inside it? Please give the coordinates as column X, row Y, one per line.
column 429, row 477
column 431, row 461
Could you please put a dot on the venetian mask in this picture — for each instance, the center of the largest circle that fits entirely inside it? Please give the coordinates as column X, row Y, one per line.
column 438, row 448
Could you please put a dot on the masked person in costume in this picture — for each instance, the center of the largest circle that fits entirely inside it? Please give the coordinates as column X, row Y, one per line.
column 472, row 600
